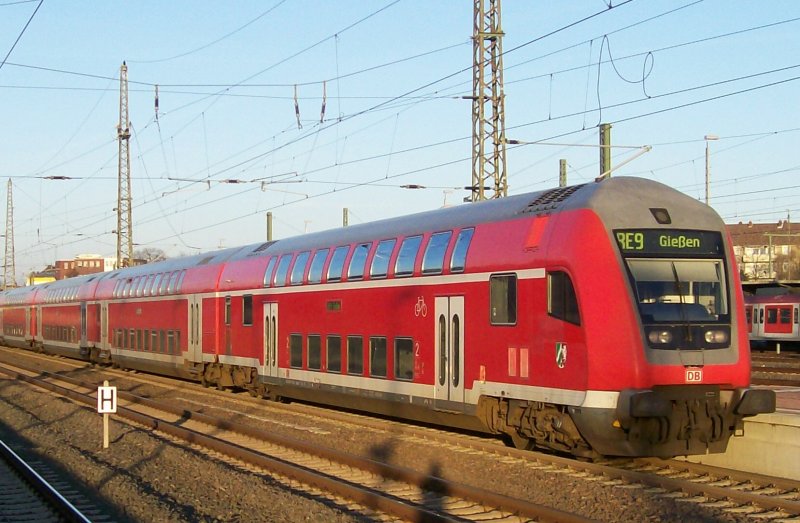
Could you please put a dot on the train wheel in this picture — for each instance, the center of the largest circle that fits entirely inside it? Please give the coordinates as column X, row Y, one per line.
column 519, row 441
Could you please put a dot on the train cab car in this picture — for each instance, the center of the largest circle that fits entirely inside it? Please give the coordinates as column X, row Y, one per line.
column 603, row 318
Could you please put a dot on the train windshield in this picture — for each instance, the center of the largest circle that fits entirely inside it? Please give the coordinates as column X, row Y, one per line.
column 685, row 291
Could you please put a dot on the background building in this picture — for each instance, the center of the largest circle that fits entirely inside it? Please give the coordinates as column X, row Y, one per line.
column 767, row 251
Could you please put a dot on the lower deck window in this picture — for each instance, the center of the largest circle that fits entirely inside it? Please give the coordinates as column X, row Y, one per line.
column 334, row 354
column 355, row 355
column 377, row 357
column 404, row 359
column 503, row 299
column 314, row 352
column 296, row 350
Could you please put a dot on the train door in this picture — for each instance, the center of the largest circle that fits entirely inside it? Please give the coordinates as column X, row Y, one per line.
column 83, row 324
column 28, row 316
column 104, row 326
column 271, row 339
column 39, row 323
column 778, row 319
column 449, row 331
column 195, row 328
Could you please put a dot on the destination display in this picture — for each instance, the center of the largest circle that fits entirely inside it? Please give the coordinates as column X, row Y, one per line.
column 669, row 242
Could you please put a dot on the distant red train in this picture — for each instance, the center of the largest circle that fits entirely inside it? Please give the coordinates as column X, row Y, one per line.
column 774, row 316
column 604, row 318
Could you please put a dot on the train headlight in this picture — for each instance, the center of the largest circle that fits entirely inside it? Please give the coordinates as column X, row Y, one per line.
column 716, row 336
column 660, row 337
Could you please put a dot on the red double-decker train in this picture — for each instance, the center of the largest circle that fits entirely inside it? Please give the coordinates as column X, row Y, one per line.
column 604, row 318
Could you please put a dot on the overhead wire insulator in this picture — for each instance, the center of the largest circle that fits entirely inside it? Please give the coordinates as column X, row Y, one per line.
column 297, row 108
column 324, row 99
column 156, row 102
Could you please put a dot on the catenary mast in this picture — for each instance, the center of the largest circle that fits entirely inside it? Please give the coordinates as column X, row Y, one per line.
column 124, row 222
column 488, row 105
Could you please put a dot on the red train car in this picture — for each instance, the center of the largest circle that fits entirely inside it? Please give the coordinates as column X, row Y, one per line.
column 604, row 318
column 774, row 317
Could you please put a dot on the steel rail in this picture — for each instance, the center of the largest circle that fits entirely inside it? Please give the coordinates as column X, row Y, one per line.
column 364, row 496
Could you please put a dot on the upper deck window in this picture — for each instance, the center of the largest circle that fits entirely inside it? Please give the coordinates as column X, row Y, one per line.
column 269, row 270
column 358, row 262
column 404, row 266
column 299, row 268
column 433, row 261
column 317, row 264
column 336, row 266
column 380, row 262
column 282, row 270
column 459, row 258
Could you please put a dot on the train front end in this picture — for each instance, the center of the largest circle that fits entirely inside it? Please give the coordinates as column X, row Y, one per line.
column 684, row 385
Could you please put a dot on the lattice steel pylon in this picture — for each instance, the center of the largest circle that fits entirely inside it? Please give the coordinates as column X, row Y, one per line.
column 9, row 264
column 124, row 221
column 488, row 104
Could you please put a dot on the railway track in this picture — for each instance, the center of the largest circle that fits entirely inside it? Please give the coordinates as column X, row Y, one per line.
column 397, row 491
column 764, row 498
column 25, row 495
column 769, row 368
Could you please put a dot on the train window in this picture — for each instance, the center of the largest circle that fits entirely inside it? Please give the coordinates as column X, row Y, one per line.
column 227, row 310
column 404, row 266
column 162, row 341
column 126, row 291
column 433, row 260
column 442, row 349
column 179, row 286
column 132, row 339
column 162, row 288
column 795, row 314
column 139, row 340
column 173, row 282
column 118, row 338
column 314, row 352
column 154, row 341
column 296, row 350
column 282, row 271
column 459, row 258
column 355, row 355
column 156, row 283
column 317, row 264
column 786, row 315
column 358, row 262
column 334, row 354
column 562, row 303
column 177, row 341
column 749, row 313
column 268, row 272
column 247, row 309
column 404, row 358
column 772, row 315
column 503, row 299
column 377, row 356
column 170, row 342
column 146, row 340
column 147, row 283
column 336, row 265
column 380, row 262
column 761, row 316
column 299, row 268
column 114, row 294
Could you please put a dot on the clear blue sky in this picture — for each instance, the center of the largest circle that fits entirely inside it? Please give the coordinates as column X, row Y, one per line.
column 394, row 75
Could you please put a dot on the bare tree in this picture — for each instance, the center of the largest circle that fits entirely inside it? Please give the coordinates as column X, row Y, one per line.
column 149, row 255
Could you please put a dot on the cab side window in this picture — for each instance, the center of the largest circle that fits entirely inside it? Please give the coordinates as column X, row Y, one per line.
column 562, row 303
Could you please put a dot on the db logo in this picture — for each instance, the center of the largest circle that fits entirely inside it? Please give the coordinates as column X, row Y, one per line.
column 694, row 375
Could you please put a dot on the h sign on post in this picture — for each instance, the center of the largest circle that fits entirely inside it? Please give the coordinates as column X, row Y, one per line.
column 106, row 399
column 106, row 404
